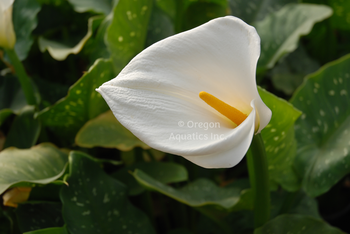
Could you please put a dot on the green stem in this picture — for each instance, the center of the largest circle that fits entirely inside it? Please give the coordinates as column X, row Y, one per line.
column 259, row 179
column 24, row 80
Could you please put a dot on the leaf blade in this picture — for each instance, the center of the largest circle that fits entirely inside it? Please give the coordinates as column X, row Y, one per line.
column 280, row 31
column 110, row 205
column 106, row 131
column 323, row 149
column 279, row 141
column 40, row 164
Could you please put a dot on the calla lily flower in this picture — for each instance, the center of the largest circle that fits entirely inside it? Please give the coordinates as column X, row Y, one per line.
column 7, row 33
column 194, row 94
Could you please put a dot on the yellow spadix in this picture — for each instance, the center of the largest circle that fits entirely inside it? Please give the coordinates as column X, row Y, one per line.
column 225, row 109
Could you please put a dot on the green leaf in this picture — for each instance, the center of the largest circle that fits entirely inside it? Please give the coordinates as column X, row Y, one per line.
column 56, row 230
column 60, row 51
column 4, row 114
column 323, row 155
column 12, row 98
column 305, row 205
column 332, row 42
column 202, row 194
column 40, row 164
column 205, row 196
column 341, row 17
column 300, row 224
column 97, row 203
column 101, row 6
column 48, row 192
column 168, row 6
column 32, row 216
column 288, row 75
column 6, row 224
column 24, row 22
column 161, row 171
column 279, row 141
column 160, row 26
column 241, row 222
column 7, row 221
column 82, row 102
column 106, row 131
column 11, row 94
column 54, row 23
column 96, row 47
column 50, row 92
column 199, row 12
column 126, row 35
column 256, row 10
column 24, row 131
column 280, row 31
column 283, row 202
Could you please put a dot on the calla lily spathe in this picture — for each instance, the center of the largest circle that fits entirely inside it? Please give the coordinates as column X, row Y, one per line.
column 7, row 33
column 156, row 96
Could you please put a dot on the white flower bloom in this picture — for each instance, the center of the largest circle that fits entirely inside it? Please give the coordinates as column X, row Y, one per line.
column 7, row 33
column 157, row 95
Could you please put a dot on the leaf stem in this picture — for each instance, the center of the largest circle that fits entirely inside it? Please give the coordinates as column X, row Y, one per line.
column 259, row 179
column 24, row 79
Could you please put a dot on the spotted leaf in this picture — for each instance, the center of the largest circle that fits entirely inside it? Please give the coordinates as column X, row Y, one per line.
column 323, row 131
column 82, row 102
column 126, row 35
column 33, row 216
column 97, row 203
column 341, row 17
column 279, row 141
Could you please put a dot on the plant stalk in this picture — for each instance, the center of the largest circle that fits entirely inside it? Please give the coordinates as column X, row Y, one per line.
column 26, row 83
column 259, row 179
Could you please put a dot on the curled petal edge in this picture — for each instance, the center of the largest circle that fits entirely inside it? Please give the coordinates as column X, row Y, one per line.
column 234, row 153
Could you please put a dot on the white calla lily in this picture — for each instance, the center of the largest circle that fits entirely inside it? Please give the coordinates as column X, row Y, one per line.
column 157, row 95
column 7, row 33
